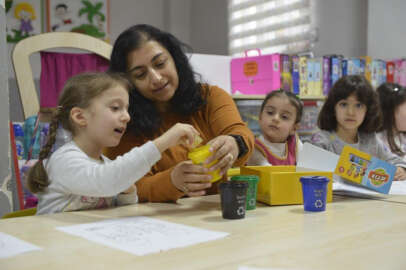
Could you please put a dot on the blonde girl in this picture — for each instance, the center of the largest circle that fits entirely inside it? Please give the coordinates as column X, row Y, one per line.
column 94, row 108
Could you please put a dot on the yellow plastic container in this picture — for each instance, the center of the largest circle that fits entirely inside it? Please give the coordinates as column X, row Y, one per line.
column 233, row 171
column 280, row 185
column 199, row 155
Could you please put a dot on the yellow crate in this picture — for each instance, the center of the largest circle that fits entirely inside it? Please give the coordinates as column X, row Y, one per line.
column 280, row 185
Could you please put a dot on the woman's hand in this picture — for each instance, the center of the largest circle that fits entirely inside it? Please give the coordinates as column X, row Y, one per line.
column 191, row 179
column 225, row 150
column 400, row 174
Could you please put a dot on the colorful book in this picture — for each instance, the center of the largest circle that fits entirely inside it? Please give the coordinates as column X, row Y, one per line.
column 390, row 71
column 310, row 77
column 303, row 76
column 351, row 67
column 398, row 70
column 375, row 71
column 336, row 68
column 361, row 66
column 382, row 72
column 286, row 73
column 295, row 75
column 326, row 74
column 367, row 72
column 402, row 75
column 344, row 67
column 318, row 77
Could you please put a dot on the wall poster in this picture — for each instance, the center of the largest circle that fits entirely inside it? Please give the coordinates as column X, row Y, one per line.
column 89, row 17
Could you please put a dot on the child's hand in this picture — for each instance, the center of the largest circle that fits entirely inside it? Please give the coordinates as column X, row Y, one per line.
column 400, row 174
column 178, row 134
column 131, row 189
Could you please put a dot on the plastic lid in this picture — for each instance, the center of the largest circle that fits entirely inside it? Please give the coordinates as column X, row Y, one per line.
column 234, row 184
column 245, row 177
column 314, row 179
column 233, row 171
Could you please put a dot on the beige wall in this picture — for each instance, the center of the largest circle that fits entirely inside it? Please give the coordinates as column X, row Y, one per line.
column 386, row 29
column 191, row 21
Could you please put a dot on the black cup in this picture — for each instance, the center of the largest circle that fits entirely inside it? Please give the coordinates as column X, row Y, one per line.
column 233, row 196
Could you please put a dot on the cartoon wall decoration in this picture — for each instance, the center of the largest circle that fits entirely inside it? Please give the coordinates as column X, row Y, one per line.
column 89, row 17
column 24, row 19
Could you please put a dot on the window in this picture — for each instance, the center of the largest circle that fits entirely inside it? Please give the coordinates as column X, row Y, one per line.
column 281, row 26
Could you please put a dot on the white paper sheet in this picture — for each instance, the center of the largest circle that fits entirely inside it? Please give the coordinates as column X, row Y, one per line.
column 316, row 158
column 256, row 268
column 397, row 188
column 11, row 246
column 142, row 235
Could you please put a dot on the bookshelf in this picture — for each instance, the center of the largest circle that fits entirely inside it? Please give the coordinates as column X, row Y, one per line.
column 247, row 97
column 249, row 107
column 253, row 97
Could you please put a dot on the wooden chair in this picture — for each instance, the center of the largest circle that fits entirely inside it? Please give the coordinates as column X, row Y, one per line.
column 21, row 213
column 24, row 76
column 46, row 41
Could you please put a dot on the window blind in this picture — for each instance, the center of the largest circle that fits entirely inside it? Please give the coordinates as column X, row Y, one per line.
column 281, row 26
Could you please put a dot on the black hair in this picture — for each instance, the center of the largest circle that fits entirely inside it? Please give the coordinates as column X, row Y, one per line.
column 293, row 99
column 391, row 95
column 145, row 118
column 346, row 86
column 61, row 6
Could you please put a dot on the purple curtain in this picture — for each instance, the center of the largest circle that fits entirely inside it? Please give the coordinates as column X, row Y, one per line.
column 56, row 68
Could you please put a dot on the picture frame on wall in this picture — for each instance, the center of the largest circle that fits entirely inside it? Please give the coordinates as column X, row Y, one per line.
column 89, row 17
column 24, row 19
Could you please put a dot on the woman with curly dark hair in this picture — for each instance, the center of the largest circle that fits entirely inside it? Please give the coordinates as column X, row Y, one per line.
column 350, row 116
column 166, row 92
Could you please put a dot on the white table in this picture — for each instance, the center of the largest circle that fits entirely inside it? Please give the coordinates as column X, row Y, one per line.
column 351, row 234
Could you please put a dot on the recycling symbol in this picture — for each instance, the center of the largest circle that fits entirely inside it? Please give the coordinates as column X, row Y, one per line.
column 318, row 204
column 240, row 211
column 251, row 202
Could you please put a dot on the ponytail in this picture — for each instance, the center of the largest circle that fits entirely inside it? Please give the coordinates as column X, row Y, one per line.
column 37, row 175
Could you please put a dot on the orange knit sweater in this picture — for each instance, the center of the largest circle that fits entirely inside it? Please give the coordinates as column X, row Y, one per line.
column 218, row 117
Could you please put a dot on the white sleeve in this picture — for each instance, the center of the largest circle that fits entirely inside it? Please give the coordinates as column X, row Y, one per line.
column 72, row 171
column 386, row 155
column 125, row 199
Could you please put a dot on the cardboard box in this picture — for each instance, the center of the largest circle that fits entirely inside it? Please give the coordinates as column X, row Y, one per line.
column 280, row 185
column 362, row 169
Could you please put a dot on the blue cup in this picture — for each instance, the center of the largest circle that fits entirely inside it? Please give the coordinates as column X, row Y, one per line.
column 314, row 190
